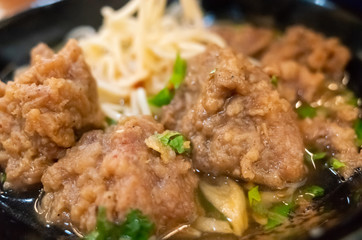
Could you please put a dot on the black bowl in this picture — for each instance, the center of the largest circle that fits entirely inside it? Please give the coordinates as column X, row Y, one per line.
column 50, row 23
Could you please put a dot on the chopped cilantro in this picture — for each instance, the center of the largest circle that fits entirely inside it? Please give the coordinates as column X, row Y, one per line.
column 274, row 80
column 260, row 209
column 272, row 223
column 165, row 96
column 357, row 196
column 336, row 164
column 177, row 144
column 310, row 156
column 110, row 121
column 135, row 227
column 254, row 195
column 179, row 72
column 319, row 155
column 350, row 97
column 175, row 140
column 278, row 214
column 352, row 101
column 358, row 131
column 314, row 191
column 2, row 177
column 306, row 111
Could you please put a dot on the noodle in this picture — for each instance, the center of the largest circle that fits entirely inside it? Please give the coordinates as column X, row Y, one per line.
column 132, row 55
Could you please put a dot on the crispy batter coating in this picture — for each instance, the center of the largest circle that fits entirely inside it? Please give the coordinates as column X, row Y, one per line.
column 118, row 171
column 43, row 112
column 236, row 121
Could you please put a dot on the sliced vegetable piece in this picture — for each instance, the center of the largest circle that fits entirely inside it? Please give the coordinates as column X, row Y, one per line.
column 210, row 210
column 229, row 199
column 306, row 111
column 183, row 232
column 336, row 164
column 135, row 227
column 206, row 224
column 314, row 191
column 254, row 195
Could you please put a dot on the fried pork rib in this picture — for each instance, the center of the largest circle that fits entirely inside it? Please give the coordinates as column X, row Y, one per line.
column 236, row 121
column 303, row 60
column 117, row 170
column 43, row 112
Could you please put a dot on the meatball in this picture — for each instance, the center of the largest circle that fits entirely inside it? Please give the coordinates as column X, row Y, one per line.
column 117, row 170
column 237, row 123
column 43, row 112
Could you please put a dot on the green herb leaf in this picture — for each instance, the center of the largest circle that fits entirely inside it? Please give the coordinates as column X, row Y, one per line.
column 311, row 157
column 175, row 140
column 179, row 72
column 177, row 144
column 164, row 97
column 350, row 97
column 358, row 131
column 2, row 177
column 272, row 223
column 352, row 101
column 260, row 209
column 135, row 227
column 111, row 121
column 274, row 80
column 314, row 191
column 306, row 111
column 104, row 228
column 254, row 195
column 336, row 164
column 278, row 214
column 319, row 155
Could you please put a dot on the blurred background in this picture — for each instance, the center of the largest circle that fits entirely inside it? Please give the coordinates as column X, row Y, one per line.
column 11, row 7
